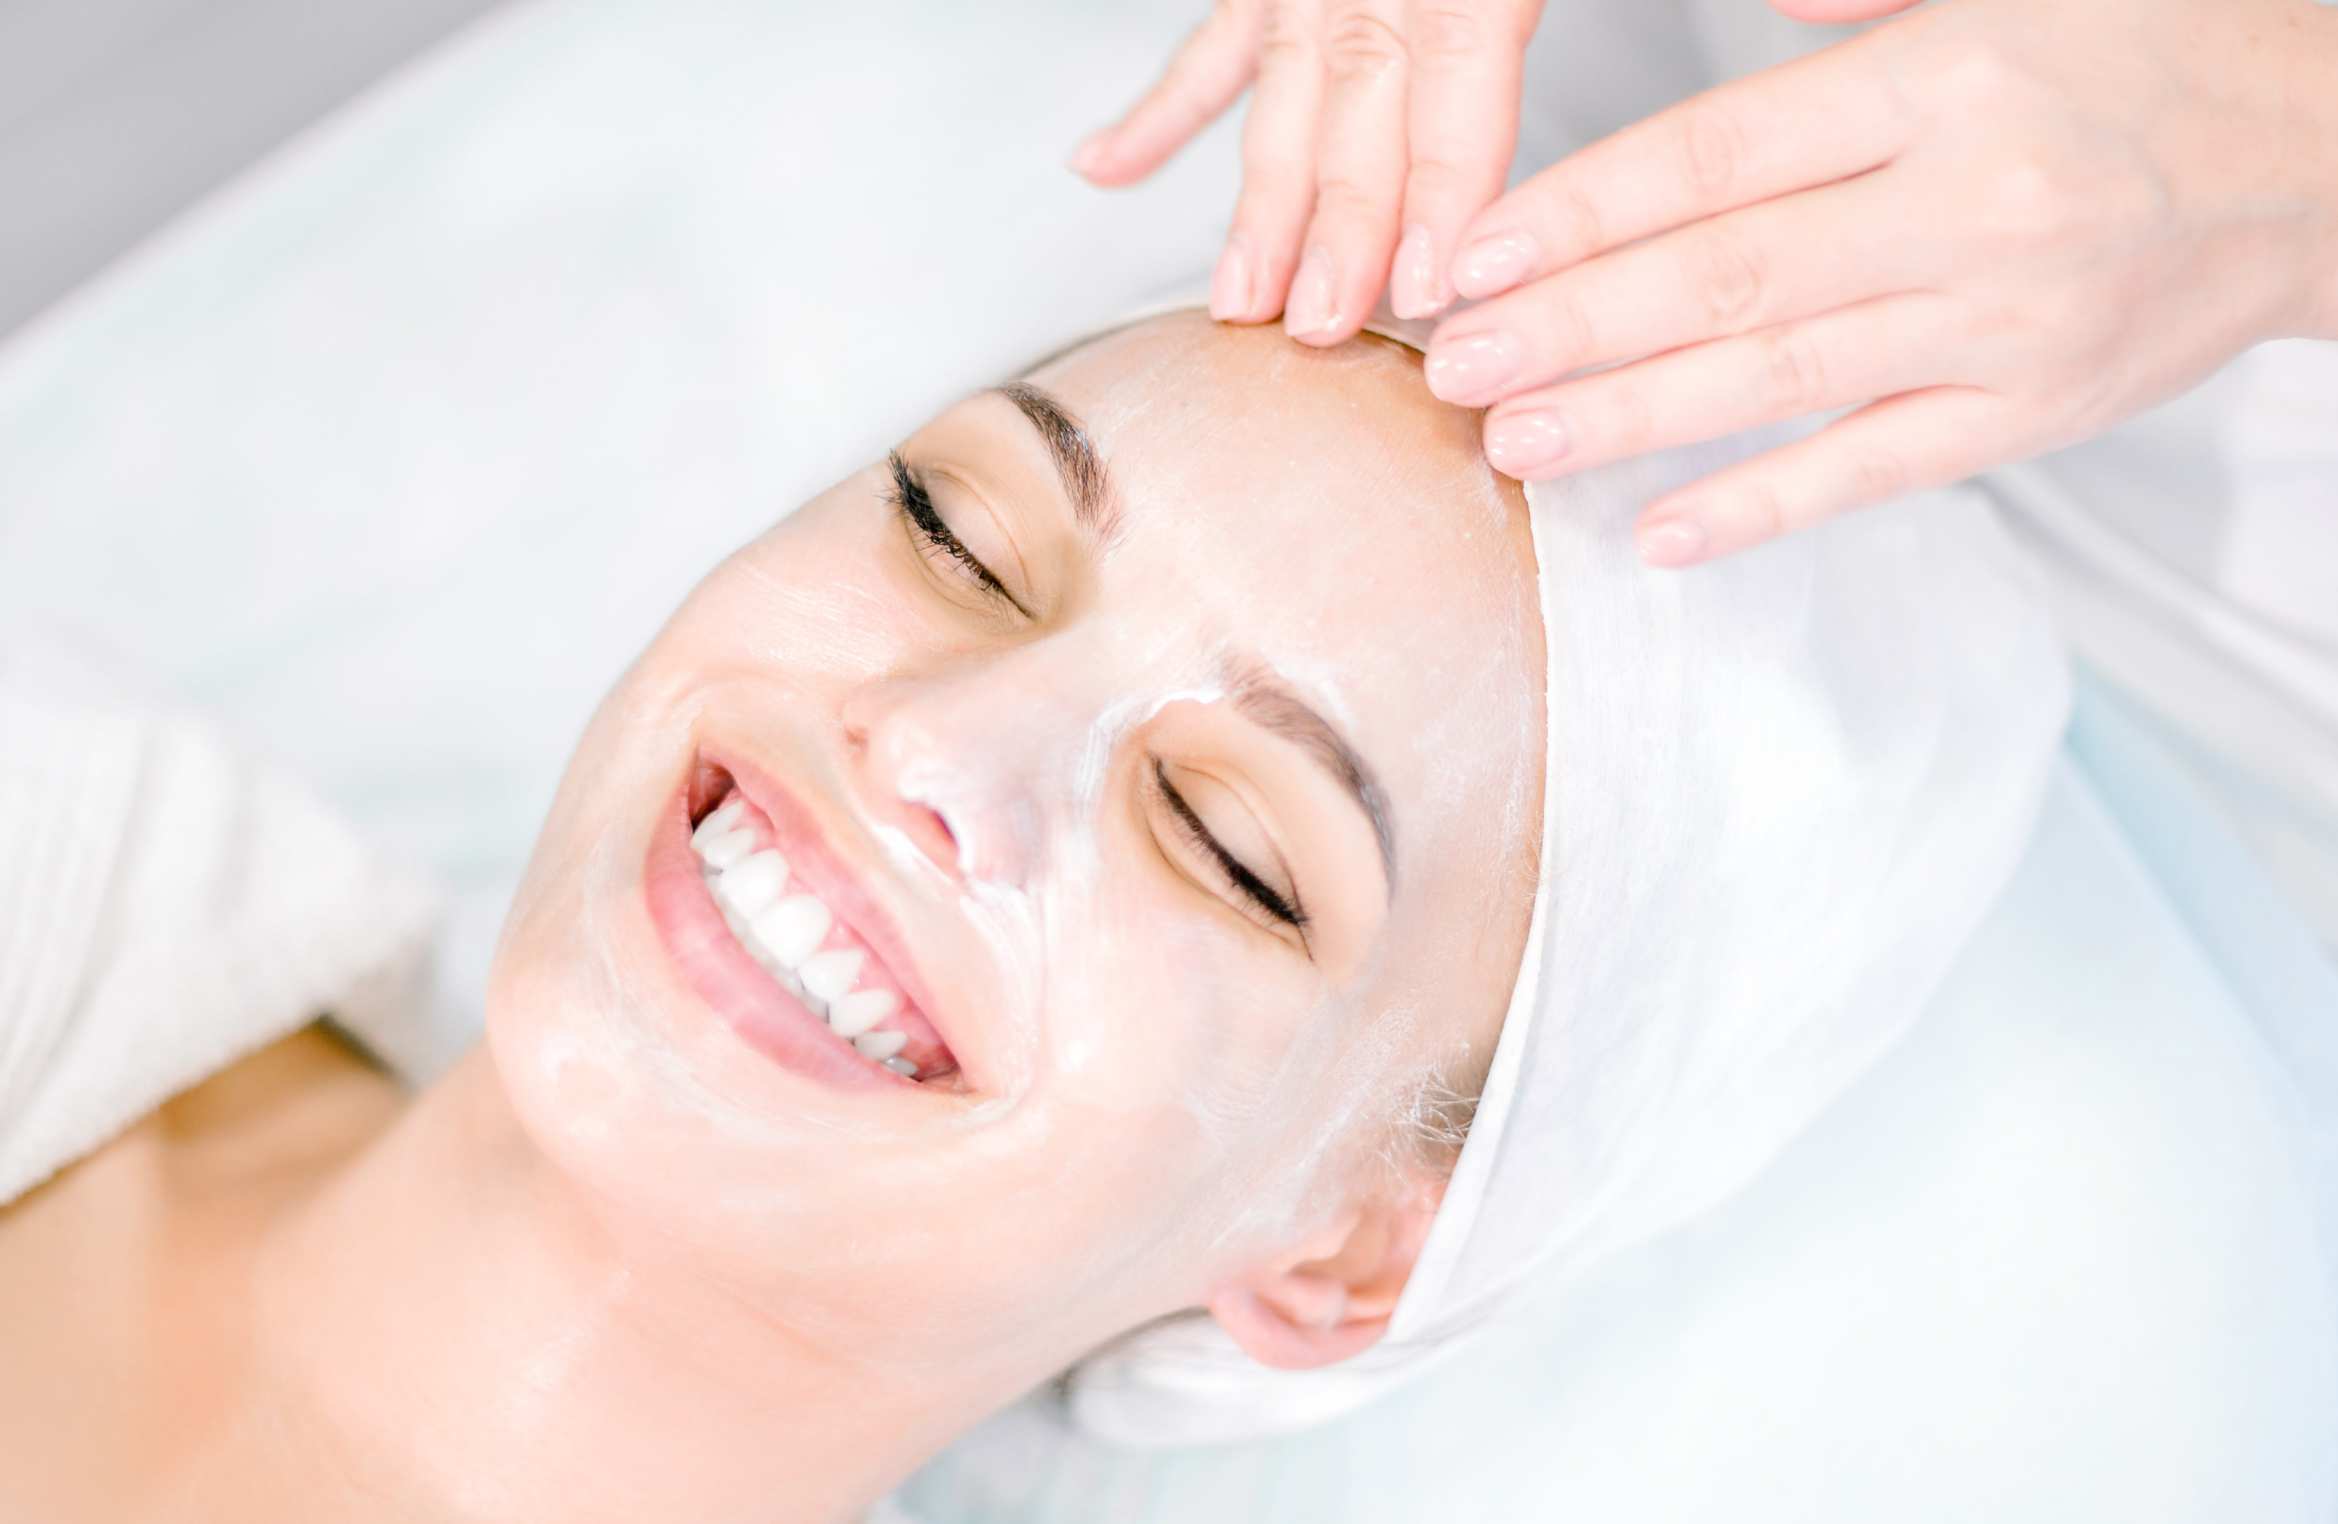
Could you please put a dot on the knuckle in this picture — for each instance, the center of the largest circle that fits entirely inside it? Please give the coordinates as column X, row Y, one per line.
column 1431, row 178
column 1342, row 201
column 1760, row 513
column 1363, row 45
column 2028, row 201
column 1228, row 20
column 1629, row 419
column 1443, row 34
column 1729, row 277
column 1872, row 473
column 1272, row 184
column 1573, row 220
column 1982, row 76
column 1570, row 332
column 1710, row 150
column 1793, row 373
column 1285, row 38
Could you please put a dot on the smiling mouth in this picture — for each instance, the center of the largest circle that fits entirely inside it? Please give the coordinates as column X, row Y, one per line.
column 772, row 947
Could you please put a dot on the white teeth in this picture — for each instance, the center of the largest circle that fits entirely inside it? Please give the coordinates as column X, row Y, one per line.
column 718, row 824
column 727, row 849
column 829, row 975
column 753, row 885
column 862, row 1009
column 783, row 932
column 881, row 1045
column 794, row 927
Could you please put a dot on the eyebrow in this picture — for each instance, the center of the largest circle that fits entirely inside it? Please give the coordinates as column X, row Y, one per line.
column 1077, row 464
column 1274, row 708
column 1257, row 695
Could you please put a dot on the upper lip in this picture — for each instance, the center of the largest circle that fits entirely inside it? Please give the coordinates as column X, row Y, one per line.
column 811, row 857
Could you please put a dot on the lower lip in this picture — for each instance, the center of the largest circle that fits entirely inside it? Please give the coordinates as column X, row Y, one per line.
column 719, row 970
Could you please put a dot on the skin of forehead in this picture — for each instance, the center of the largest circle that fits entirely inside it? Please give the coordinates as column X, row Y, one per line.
column 1416, row 552
column 1421, row 568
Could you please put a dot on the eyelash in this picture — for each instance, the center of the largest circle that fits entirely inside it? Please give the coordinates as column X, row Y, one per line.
column 916, row 507
column 1248, row 884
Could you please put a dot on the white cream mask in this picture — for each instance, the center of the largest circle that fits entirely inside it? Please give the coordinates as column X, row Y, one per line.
column 1150, row 1069
column 1780, row 793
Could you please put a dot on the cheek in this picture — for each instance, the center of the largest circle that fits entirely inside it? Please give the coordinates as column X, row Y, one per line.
column 1186, row 1068
column 1156, row 994
column 814, row 599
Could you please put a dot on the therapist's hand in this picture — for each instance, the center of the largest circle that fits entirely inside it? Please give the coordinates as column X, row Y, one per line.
column 1990, row 227
column 1377, row 129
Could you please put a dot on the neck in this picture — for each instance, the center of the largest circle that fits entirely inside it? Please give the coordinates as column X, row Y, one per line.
column 447, row 1330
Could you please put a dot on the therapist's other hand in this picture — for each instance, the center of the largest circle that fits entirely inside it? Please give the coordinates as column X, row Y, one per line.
column 1990, row 227
column 1377, row 129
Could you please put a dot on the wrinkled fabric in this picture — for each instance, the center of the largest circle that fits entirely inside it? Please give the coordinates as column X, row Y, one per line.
column 1782, row 791
column 167, row 906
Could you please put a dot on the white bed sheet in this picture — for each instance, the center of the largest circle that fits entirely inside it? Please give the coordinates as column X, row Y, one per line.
column 395, row 452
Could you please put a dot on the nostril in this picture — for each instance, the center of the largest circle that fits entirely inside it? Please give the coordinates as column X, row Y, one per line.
column 933, row 836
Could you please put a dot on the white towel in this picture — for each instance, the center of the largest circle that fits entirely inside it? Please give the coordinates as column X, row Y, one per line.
column 168, row 905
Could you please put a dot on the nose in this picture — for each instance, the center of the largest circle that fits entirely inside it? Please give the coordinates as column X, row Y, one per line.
column 964, row 762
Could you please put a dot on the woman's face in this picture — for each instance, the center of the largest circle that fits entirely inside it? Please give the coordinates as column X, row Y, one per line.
column 1155, row 749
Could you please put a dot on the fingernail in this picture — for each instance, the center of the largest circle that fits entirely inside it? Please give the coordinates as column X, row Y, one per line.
column 1470, row 369
column 1519, row 443
column 1230, row 283
column 1672, row 542
column 1090, row 154
column 1309, row 312
column 1493, row 265
column 1415, row 291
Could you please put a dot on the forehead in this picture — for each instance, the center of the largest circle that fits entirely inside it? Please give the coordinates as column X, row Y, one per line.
column 1320, row 512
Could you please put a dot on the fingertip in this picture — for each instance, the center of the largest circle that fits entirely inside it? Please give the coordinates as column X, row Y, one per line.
column 1088, row 158
column 1311, row 311
column 1492, row 264
column 1530, row 444
column 1670, row 538
column 1417, row 287
column 1230, row 283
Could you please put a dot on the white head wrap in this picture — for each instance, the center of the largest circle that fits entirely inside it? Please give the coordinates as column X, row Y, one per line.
column 1782, row 790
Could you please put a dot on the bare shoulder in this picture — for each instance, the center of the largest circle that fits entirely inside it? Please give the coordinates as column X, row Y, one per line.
column 120, row 1278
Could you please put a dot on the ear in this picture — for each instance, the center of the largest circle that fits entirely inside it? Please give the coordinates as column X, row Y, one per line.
column 1329, row 1297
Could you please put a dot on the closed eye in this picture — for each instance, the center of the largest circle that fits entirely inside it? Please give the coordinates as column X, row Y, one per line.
column 1261, row 895
column 916, row 507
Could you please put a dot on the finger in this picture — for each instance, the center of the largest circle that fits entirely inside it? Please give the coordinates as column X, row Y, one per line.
column 1359, row 177
column 1750, row 269
column 1835, row 12
column 1889, row 449
column 1468, row 65
column 1209, row 69
column 1758, row 137
column 1278, row 167
column 1853, row 355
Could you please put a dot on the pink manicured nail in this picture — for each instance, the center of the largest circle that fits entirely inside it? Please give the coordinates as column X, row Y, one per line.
column 1672, row 542
column 1309, row 311
column 1494, row 265
column 1230, row 283
column 1469, row 370
column 1414, row 290
column 1520, row 444
column 1090, row 154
